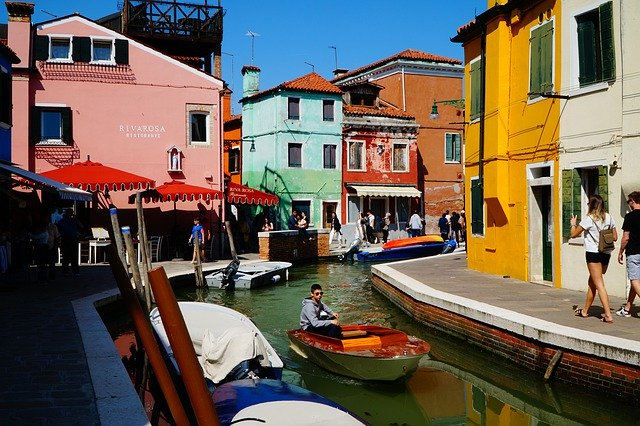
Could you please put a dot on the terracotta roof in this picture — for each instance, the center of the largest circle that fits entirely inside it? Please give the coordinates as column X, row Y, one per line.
column 378, row 112
column 311, row 82
column 409, row 54
column 249, row 68
column 233, row 117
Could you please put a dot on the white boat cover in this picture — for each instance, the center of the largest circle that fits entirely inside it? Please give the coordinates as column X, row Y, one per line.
column 221, row 353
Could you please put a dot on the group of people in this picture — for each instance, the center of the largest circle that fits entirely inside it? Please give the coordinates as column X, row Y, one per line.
column 298, row 222
column 452, row 226
column 591, row 227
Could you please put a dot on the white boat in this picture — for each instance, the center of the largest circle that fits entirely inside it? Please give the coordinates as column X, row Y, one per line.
column 248, row 276
column 228, row 344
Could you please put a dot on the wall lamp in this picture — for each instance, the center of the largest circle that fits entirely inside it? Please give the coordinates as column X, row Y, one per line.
column 458, row 103
column 252, row 148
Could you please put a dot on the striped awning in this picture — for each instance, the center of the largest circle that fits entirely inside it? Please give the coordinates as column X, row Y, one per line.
column 386, row 191
column 22, row 177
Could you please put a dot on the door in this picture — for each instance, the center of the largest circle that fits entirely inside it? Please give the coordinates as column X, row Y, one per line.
column 327, row 209
column 547, row 233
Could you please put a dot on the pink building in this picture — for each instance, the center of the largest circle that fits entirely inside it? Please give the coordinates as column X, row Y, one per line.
column 84, row 90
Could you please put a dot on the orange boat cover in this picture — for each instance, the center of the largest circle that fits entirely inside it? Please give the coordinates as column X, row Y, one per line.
column 405, row 242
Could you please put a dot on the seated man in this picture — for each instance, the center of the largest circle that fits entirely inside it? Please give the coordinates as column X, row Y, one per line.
column 316, row 317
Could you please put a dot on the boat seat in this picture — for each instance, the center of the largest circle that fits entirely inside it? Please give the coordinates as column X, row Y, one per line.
column 362, row 343
column 353, row 333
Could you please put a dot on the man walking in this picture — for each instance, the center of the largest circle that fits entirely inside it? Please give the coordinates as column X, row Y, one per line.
column 630, row 246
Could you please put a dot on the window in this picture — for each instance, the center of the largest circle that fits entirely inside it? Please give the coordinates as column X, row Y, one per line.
column 356, row 155
column 400, row 157
column 60, row 49
column 102, row 51
column 199, row 127
column 577, row 186
column 234, row 160
column 327, row 110
column 475, row 76
column 541, row 66
column 295, row 155
column 452, row 148
column 329, row 156
column 51, row 126
column 477, row 207
column 595, row 45
column 5, row 99
column 294, row 109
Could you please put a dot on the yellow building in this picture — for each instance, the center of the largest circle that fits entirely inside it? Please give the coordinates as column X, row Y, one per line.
column 511, row 157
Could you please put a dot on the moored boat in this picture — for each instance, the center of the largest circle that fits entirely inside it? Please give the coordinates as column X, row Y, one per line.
column 365, row 352
column 413, row 241
column 248, row 276
column 378, row 254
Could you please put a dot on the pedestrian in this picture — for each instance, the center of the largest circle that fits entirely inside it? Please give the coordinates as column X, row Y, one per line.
column 448, row 216
column 267, row 226
column 336, row 229
column 414, row 227
column 386, row 224
column 69, row 229
column 371, row 223
column 455, row 226
column 630, row 247
column 443, row 226
column 362, row 229
column 53, row 244
column 197, row 234
column 596, row 220
column 463, row 226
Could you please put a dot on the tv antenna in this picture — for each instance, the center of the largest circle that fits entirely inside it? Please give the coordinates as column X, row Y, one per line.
column 313, row 68
column 335, row 54
column 253, row 38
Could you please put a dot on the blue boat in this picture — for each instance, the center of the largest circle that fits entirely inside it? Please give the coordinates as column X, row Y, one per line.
column 378, row 254
column 274, row 402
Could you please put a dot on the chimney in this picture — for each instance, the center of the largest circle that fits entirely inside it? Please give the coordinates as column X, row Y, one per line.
column 226, row 103
column 19, row 30
column 250, row 80
column 339, row 71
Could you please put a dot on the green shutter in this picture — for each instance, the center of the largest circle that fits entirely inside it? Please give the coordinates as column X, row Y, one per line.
column 586, row 51
column 606, row 41
column 41, row 48
column 546, row 58
column 534, row 71
column 477, row 207
column 34, row 128
column 67, row 135
column 576, row 196
column 456, row 148
column 571, row 199
column 122, row 51
column 475, row 77
column 448, row 147
column 81, row 49
column 603, row 185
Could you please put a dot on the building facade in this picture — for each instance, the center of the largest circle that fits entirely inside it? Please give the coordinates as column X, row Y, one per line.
column 411, row 81
column 291, row 137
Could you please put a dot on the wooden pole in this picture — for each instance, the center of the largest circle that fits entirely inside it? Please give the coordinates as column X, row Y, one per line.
column 143, row 329
column 133, row 262
column 183, row 350
column 117, row 234
column 197, row 268
column 143, row 241
column 232, row 245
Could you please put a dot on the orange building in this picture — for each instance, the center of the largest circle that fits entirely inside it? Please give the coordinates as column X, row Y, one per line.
column 232, row 149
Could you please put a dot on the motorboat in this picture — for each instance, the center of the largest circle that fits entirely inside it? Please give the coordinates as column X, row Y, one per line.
column 365, row 352
column 248, row 276
column 380, row 254
column 228, row 344
column 413, row 241
column 274, row 402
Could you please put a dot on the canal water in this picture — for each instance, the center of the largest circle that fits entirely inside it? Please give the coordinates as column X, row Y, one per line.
column 456, row 384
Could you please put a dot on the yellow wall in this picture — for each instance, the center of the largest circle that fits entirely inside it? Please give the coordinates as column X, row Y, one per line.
column 517, row 133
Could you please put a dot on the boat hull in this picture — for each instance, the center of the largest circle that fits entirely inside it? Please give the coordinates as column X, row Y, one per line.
column 403, row 253
column 386, row 363
column 405, row 242
column 252, row 276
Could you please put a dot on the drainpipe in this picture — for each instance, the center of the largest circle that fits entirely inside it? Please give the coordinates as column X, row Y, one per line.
column 483, row 74
column 404, row 97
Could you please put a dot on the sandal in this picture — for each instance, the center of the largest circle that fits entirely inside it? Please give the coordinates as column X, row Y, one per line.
column 606, row 320
column 578, row 313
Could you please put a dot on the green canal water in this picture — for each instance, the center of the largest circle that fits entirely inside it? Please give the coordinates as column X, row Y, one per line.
column 457, row 384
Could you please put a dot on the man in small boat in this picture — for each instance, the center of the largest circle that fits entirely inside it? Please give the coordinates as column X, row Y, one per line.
column 316, row 317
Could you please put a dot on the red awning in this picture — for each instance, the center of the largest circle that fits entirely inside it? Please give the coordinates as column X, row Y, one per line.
column 180, row 191
column 94, row 176
column 239, row 194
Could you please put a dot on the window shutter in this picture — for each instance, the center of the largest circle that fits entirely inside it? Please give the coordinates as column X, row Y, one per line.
column 122, row 51
column 534, row 71
column 81, row 49
column 477, row 211
column 586, row 52
column 606, row 40
column 567, row 203
column 603, row 185
column 41, row 48
column 448, row 147
column 456, row 148
column 67, row 134
column 475, row 77
column 34, row 128
column 546, row 58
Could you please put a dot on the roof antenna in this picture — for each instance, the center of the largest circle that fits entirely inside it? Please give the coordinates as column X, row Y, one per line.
column 48, row 13
column 253, row 37
column 311, row 65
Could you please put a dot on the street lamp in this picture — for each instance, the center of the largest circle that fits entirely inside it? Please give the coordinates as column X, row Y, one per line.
column 458, row 103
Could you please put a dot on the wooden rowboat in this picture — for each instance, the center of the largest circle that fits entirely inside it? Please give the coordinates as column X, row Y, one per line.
column 404, row 242
column 365, row 352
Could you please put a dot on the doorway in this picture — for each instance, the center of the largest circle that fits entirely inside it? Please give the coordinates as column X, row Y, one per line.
column 327, row 209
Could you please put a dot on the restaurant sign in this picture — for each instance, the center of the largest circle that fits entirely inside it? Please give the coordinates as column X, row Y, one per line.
column 142, row 131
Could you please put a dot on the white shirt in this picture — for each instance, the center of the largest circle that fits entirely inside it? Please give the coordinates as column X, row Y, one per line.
column 415, row 222
column 592, row 231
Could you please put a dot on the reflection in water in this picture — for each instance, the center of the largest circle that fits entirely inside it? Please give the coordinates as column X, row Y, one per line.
column 455, row 384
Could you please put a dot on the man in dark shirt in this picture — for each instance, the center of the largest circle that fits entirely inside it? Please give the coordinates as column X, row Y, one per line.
column 293, row 220
column 630, row 246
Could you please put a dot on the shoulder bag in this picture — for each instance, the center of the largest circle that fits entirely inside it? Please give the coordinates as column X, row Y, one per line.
column 606, row 243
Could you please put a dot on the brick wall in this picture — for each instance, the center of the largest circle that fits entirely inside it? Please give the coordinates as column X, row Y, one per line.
column 599, row 374
column 288, row 246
